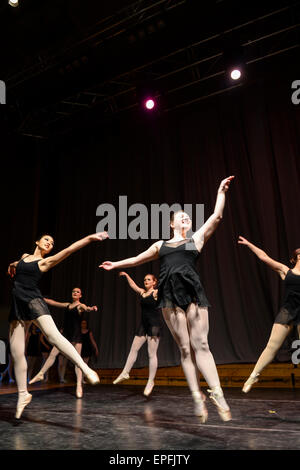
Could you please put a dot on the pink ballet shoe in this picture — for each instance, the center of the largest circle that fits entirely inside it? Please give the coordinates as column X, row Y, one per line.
column 37, row 378
column 200, row 409
column 121, row 377
column 93, row 377
column 249, row 383
column 215, row 394
column 22, row 402
column 79, row 392
column 149, row 388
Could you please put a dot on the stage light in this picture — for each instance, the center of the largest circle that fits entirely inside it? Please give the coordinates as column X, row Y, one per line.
column 235, row 74
column 13, row 3
column 149, row 103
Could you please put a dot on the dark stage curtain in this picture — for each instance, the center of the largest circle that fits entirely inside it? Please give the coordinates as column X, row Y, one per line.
column 252, row 133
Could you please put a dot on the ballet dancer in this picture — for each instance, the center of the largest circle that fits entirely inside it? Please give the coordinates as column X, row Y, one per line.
column 28, row 305
column 89, row 345
column 149, row 329
column 72, row 331
column 289, row 313
column 183, row 300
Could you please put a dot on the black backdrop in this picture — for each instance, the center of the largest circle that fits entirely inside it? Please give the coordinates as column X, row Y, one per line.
column 251, row 132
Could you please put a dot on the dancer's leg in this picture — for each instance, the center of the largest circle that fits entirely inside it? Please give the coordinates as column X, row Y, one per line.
column 48, row 327
column 62, row 365
column 197, row 318
column 17, row 348
column 278, row 334
column 30, row 366
column 137, row 343
column 177, row 324
column 153, row 343
column 78, row 347
column 45, row 356
column 49, row 363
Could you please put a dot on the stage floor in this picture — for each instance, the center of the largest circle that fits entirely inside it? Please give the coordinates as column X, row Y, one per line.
column 121, row 418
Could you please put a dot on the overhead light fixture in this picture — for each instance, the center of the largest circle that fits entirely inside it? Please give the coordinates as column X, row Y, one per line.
column 13, row 3
column 234, row 61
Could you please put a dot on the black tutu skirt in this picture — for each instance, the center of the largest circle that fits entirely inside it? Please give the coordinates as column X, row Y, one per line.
column 27, row 311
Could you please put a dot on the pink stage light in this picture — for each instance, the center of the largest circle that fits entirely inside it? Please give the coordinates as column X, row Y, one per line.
column 149, row 103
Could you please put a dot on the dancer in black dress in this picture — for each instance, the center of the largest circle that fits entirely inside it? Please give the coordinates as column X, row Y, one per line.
column 89, row 345
column 28, row 305
column 149, row 329
column 289, row 314
column 183, row 300
column 71, row 330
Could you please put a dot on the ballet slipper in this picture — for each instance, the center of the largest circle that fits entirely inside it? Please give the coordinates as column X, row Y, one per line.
column 22, row 402
column 251, row 381
column 79, row 392
column 121, row 377
column 149, row 388
column 93, row 377
column 200, row 409
column 215, row 394
column 37, row 378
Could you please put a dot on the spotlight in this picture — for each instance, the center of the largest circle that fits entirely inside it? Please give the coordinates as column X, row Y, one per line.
column 235, row 74
column 149, row 103
column 13, row 3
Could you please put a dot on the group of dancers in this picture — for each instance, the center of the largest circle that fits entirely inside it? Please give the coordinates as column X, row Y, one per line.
column 178, row 293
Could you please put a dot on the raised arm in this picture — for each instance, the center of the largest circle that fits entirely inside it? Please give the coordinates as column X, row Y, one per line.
column 53, row 303
column 132, row 284
column 52, row 261
column 205, row 232
column 280, row 268
column 144, row 257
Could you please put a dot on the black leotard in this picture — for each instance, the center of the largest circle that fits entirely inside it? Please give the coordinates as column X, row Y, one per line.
column 289, row 313
column 71, row 324
column 27, row 300
column 151, row 317
column 179, row 283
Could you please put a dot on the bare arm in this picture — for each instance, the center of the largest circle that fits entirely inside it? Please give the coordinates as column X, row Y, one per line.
column 148, row 255
column 280, row 268
column 84, row 308
column 52, row 261
column 12, row 267
column 132, row 284
column 53, row 303
column 94, row 343
column 205, row 232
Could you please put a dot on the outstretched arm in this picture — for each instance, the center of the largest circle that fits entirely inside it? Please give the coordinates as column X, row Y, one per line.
column 84, row 308
column 52, row 261
column 132, row 284
column 280, row 268
column 148, row 255
column 205, row 232
column 53, row 303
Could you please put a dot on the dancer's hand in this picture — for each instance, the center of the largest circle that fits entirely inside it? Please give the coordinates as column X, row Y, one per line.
column 243, row 241
column 107, row 265
column 11, row 270
column 95, row 308
column 99, row 236
column 225, row 184
column 122, row 273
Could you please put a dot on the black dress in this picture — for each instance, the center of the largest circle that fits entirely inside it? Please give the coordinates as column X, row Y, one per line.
column 72, row 325
column 179, row 282
column 289, row 313
column 151, row 317
column 87, row 347
column 27, row 301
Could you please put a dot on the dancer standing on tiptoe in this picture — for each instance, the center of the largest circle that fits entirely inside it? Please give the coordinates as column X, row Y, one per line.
column 149, row 329
column 71, row 331
column 289, row 313
column 183, row 300
column 28, row 305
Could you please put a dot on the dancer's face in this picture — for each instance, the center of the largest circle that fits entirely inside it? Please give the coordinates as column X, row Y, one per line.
column 149, row 282
column 76, row 294
column 181, row 222
column 46, row 243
